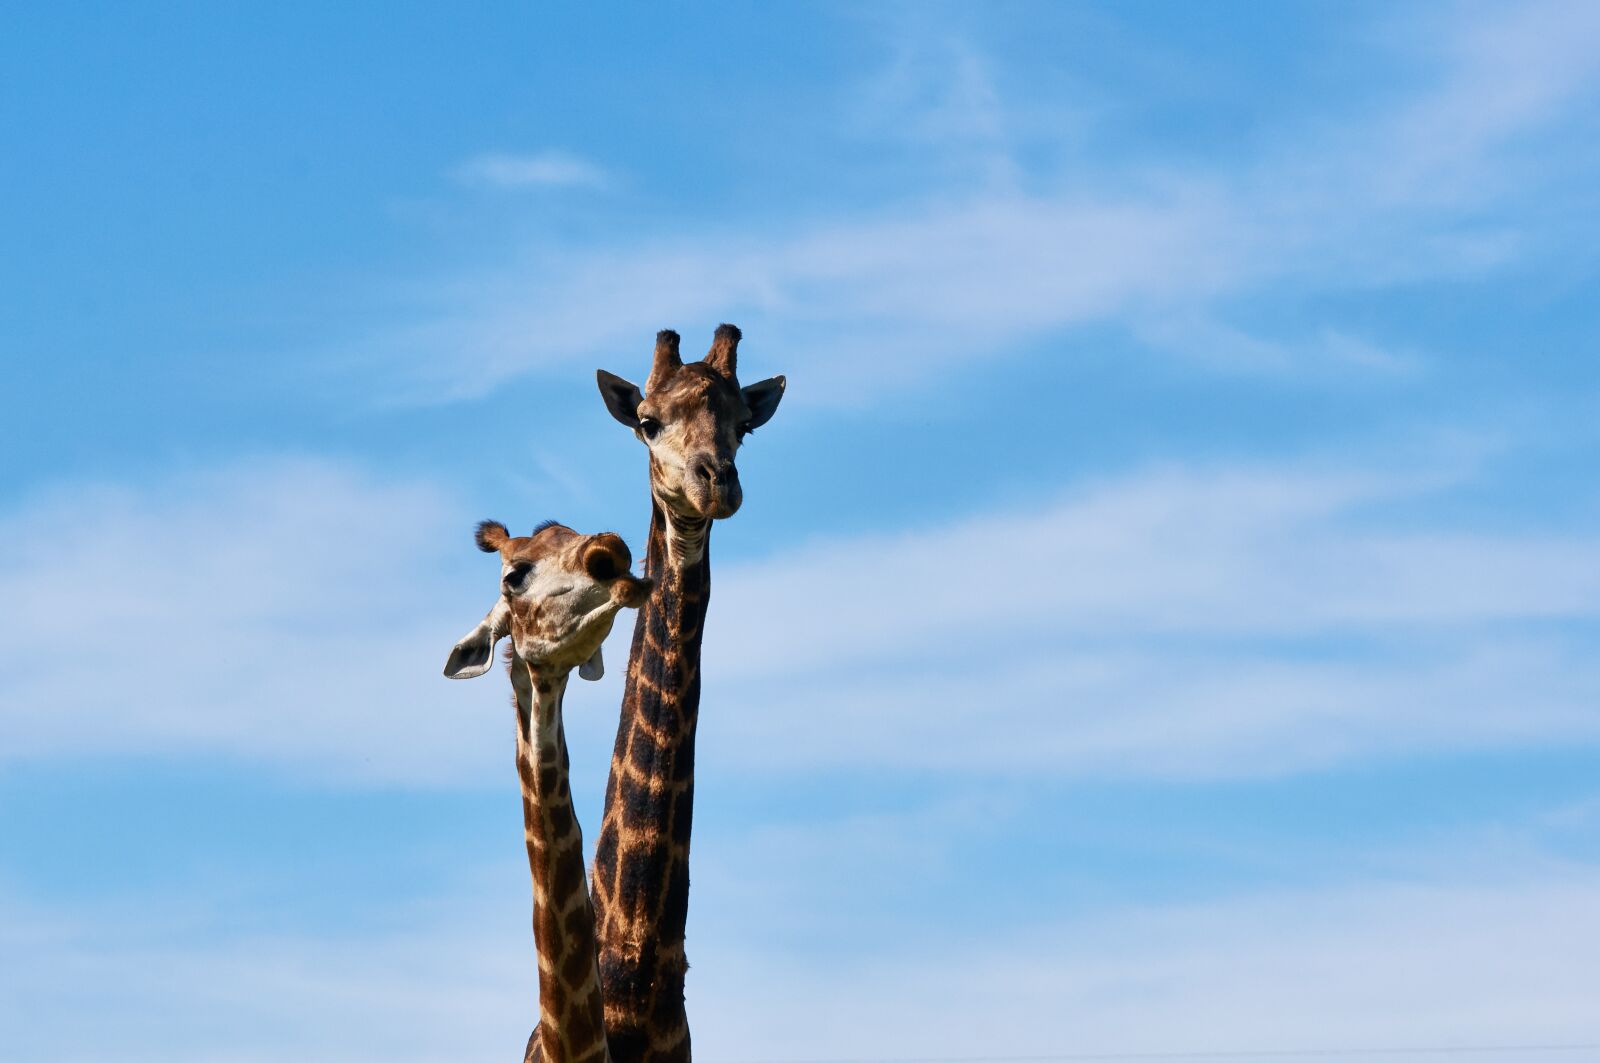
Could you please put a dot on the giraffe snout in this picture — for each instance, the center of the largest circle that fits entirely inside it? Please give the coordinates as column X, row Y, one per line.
column 718, row 483
column 631, row 592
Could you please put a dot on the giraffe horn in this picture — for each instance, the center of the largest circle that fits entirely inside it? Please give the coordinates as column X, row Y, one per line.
column 724, row 353
column 666, row 361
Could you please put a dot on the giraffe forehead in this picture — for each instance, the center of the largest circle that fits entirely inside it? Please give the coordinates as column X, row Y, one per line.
column 696, row 392
column 543, row 544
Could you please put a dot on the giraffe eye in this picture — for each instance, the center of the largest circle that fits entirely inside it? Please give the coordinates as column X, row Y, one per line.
column 517, row 578
column 650, row 427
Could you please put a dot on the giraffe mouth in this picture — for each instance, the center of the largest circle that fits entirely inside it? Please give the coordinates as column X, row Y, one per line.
column 631, row 592
column 712, row 485
column 722, row 509
column 694, row 506
column 715, row 501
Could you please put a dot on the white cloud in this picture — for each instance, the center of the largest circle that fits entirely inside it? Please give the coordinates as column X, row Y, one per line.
column 851, row 302
column 1506, row 75
column 79, row 987
column 545, row 169
column 936, row 92
column 1282, row 550
column 1180, row 622
column 1209, row 342
column 1363, row 965
column 934, row 286
column 1169, row 713
column 296, row 612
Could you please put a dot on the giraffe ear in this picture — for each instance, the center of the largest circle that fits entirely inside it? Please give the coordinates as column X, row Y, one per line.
column 473, row 655
column 594, row 667
column 622, row 398
column 763, row 398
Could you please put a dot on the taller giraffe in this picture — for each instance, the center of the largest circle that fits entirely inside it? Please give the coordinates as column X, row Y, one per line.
column 692, row 418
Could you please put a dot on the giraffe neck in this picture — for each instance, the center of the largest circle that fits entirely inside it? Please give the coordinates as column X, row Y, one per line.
column 641, row 869
column 571, row 1023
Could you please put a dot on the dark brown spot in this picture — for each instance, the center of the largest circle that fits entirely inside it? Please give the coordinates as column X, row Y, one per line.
column 683, row 765
column 640, row 805
column 568, row 879
column 579, row 924
column 575, row 967
column 561, row 820
column 675, row 905
column 641, row 753
column 682, row 815
column 637, row 871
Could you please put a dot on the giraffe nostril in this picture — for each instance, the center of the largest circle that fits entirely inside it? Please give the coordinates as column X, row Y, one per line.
column 715, row 473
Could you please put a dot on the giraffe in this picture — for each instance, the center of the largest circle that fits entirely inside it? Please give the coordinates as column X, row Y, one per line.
column 559, row 593
column 692, row 418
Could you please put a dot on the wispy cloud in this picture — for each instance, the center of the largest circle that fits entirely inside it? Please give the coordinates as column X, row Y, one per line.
column 1173, row 713
column 1506, row 76
column 1178, row 622
column 1182, row 622
column 448, row 992
column 293, row 612
column 545, row 169
column 1232, row 550
column 936, row 286
column 946, row 276
column 1361, row 965
column 936, row 91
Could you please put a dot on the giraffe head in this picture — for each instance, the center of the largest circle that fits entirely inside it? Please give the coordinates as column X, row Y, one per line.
column 559, row 594
column 693, row 418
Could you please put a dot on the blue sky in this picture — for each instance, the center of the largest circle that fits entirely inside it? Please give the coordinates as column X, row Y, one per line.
column 1165, row 605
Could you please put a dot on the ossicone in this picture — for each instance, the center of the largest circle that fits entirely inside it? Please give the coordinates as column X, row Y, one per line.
column 724, row 353
column 667, row 360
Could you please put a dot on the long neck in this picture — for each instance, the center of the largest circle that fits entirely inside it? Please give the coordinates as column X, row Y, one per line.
column 571, row 1016
column 641, row 868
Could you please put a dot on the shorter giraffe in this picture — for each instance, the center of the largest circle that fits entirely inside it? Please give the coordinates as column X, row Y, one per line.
column 559, row 593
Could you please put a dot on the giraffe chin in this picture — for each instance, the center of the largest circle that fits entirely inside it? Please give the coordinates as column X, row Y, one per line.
column 715, row 505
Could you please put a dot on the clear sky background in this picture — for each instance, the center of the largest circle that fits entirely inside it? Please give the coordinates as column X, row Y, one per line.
column 1165, row 611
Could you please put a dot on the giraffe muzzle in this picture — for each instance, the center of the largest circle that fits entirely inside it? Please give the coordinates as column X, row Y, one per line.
column 715, row 488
